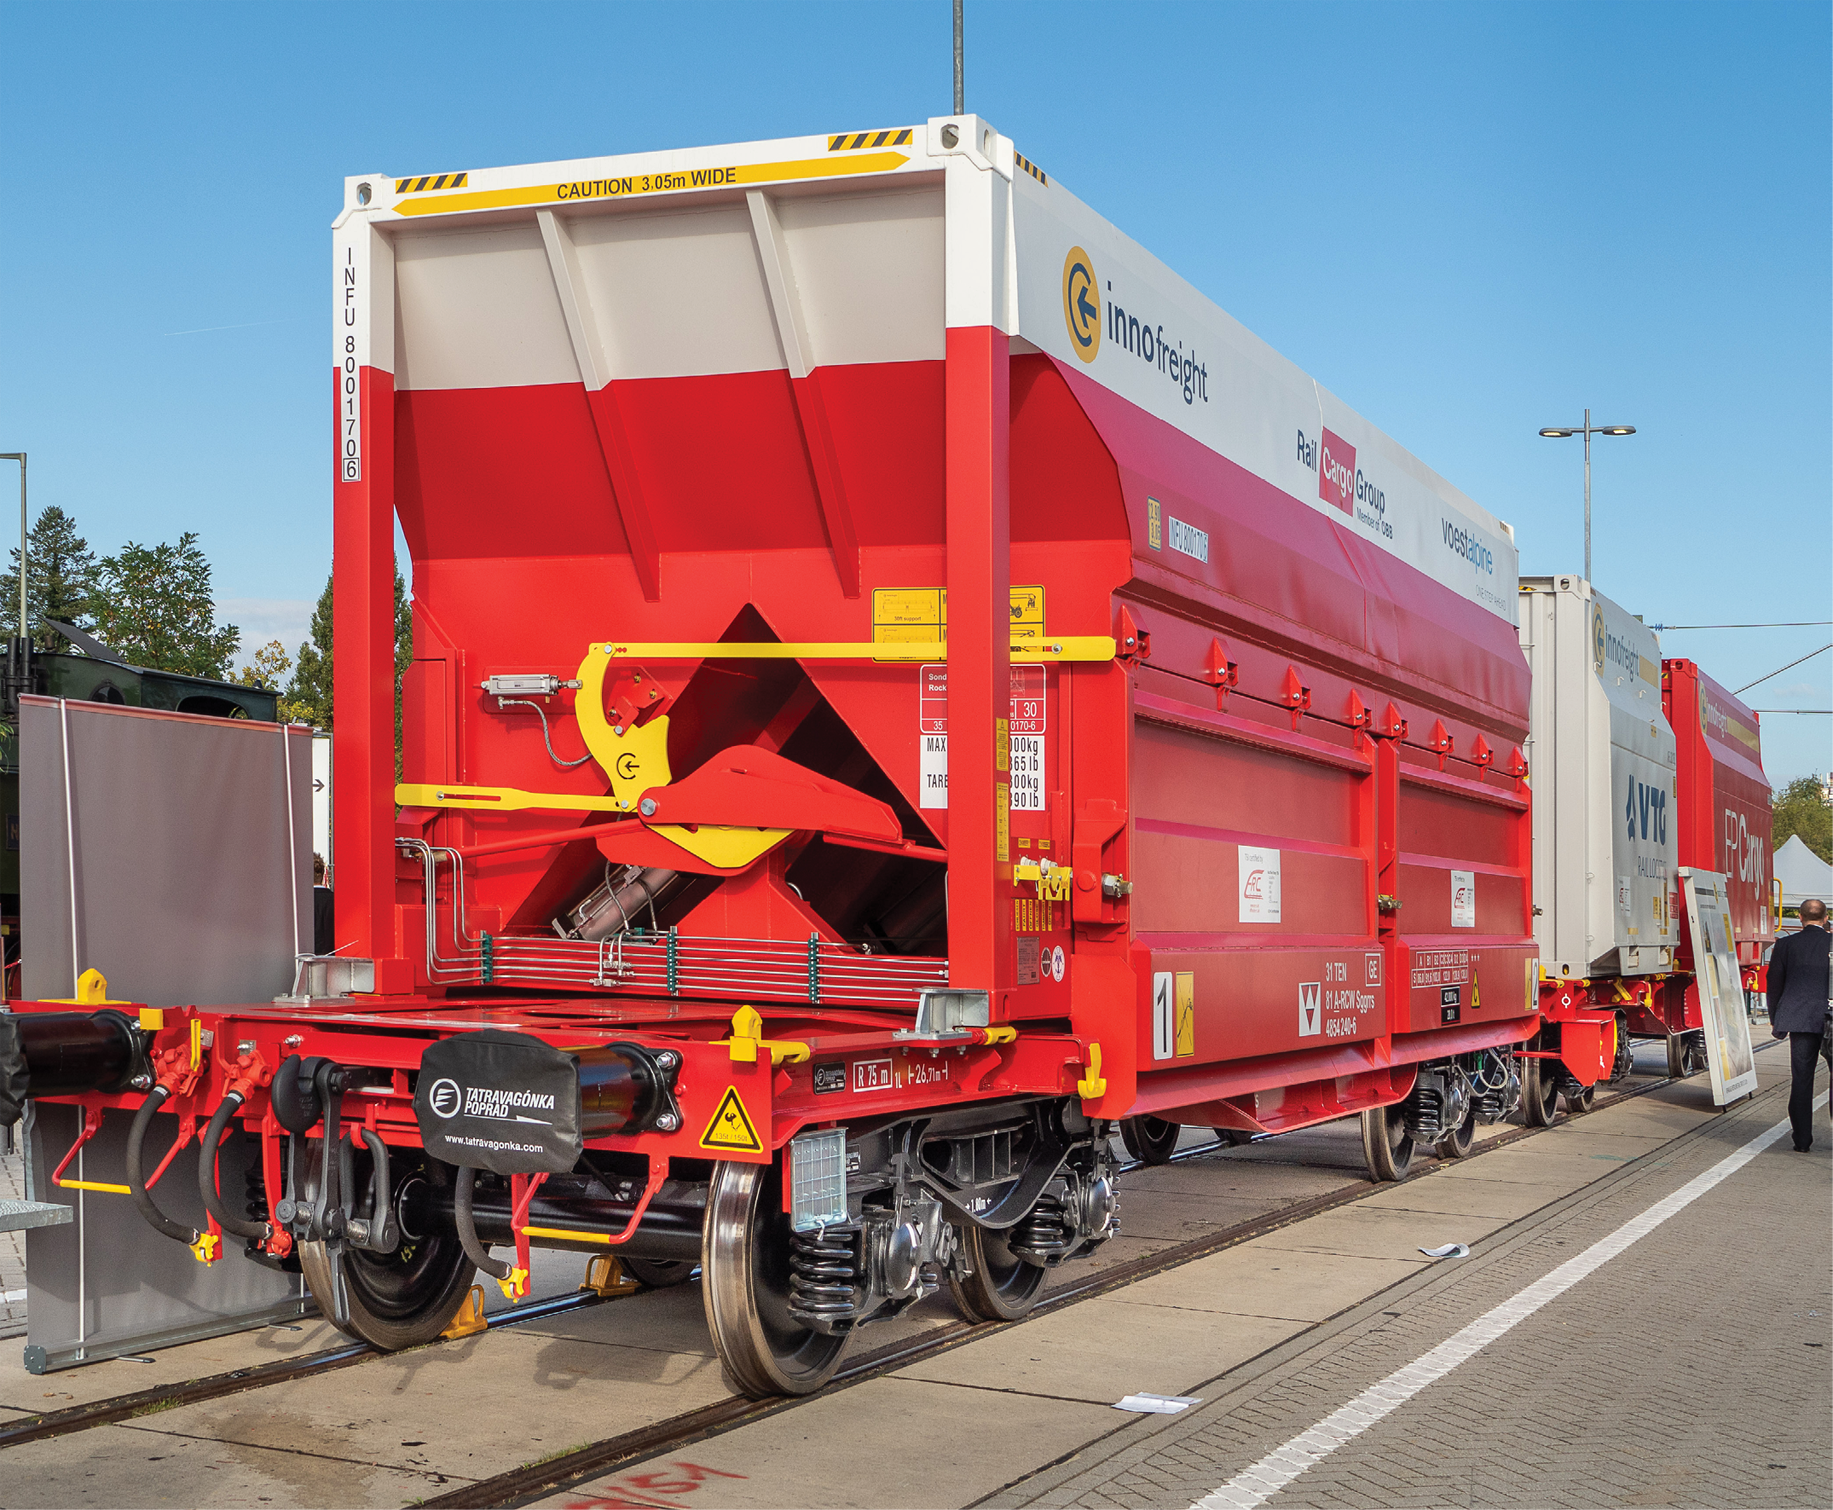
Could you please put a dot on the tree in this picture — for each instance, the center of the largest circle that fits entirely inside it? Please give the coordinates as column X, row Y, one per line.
column 1803, row 807
column 153, row 604
column 60, row 580
column 267, row 670
column 311, row 692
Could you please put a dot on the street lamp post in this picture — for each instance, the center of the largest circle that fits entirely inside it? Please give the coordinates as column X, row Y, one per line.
column 19, row 456
column 1555, row 432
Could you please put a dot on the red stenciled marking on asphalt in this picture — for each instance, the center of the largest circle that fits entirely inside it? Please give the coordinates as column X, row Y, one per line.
column 646, row 1491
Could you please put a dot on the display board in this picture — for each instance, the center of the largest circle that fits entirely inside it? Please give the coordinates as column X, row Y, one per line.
column 172, row 853
column 1721, row 993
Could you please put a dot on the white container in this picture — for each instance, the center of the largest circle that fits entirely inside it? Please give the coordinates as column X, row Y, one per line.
column 1601, row 760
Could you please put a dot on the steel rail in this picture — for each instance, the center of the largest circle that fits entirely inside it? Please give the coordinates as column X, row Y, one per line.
column 596, row 1458
column 146, row 1402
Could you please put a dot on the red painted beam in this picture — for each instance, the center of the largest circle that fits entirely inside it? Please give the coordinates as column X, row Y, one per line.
column 977, row 435
column 363, row 686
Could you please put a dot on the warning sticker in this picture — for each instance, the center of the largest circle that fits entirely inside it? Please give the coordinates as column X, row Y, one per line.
column 903, row 615
column 1464, row 899
column 1259, row 880
column 1030, row 684
column 1023, row 748
column 1310, row 1008
column 732, row 1128
column 1174, row 1014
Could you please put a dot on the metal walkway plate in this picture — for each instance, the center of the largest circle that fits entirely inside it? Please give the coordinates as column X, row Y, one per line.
column 16, row 1216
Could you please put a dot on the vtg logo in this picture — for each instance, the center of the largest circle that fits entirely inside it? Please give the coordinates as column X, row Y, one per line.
column 1647, row 808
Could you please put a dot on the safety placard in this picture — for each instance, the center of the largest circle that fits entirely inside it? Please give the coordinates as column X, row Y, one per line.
column 903, row 615
column 731, row 1129
column 1026, row 727
column 1440, row 967
column 1174, row 1014
column 1259, row 884
column 1464, row 899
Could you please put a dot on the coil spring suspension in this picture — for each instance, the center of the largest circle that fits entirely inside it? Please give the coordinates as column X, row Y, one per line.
column 1490, row 1107
column 823, row 1266
column 1046, row 1233
column 254, row 1193
column 1427, row 1117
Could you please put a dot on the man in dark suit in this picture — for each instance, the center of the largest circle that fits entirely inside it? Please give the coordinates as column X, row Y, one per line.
column 1798, row 971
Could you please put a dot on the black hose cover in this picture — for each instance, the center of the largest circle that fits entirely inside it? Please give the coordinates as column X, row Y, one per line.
column 14, row 1081
column 502, row 1101
column 294, row 1093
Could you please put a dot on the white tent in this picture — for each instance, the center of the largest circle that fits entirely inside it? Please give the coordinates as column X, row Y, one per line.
column 1803, row 873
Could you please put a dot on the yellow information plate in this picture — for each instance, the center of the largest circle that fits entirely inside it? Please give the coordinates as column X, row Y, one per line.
column 904, row 614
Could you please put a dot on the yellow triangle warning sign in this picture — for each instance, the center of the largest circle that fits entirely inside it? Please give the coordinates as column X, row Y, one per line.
column 731, row 1128
column 1476, row 997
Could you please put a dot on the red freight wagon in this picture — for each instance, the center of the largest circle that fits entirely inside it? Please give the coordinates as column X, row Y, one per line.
column 901, row 683
column 1725, row 814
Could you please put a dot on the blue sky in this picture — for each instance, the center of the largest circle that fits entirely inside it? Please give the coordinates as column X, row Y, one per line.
column 1468, row 221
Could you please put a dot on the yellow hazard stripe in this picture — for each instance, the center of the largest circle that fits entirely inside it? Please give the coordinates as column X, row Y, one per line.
column 1030, row 167
column 890, row 137
column 431, row 181
column 630, row 185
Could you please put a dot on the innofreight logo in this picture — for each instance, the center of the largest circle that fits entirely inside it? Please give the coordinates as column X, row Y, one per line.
column 1081, row 304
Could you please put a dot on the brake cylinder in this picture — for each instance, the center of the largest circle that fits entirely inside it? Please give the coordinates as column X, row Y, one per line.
column 64, row 1054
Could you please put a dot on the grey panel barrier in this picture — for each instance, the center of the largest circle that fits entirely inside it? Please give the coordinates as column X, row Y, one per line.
column 172, row 853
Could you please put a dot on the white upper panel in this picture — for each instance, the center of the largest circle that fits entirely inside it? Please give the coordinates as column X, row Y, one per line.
column 652, row 266
column 1165, row 347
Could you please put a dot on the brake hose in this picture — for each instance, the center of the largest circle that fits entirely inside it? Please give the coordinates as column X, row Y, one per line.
column 206, row 1173
column 136, row 1181
column 466, row 1224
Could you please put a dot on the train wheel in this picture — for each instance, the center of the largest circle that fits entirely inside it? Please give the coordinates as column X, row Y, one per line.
column 657, row 1273
column 1626, row 1051
column 1151, row 1140
column 745, row 1283
column 1578, row 1105
column 397, row 1300
column 1456, row 1143
column 1386, row 1143
column 1695, row 1059
column 1686, row 1054
column 1003, row 1287
column 1539, row 1092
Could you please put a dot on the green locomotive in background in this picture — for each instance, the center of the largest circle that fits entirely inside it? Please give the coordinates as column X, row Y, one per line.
column 91, row 672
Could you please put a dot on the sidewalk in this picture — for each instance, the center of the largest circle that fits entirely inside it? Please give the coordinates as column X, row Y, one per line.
column 1690, row 1369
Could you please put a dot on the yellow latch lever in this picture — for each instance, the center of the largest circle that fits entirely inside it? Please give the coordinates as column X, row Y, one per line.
column 748, row 1039
column 1093, row 1085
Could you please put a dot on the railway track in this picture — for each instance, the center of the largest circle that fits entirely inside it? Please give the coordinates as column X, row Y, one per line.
column 520, row 1484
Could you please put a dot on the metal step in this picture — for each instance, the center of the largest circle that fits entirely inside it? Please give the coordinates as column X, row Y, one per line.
column 16, row 1216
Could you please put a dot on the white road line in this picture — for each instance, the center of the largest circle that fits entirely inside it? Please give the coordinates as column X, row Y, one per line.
column 1256, row 1485
column 11, row 1296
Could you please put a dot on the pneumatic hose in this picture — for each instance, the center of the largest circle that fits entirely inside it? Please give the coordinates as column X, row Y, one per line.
column 136, row 1180
column 466, row 1222
column 206, row 1173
